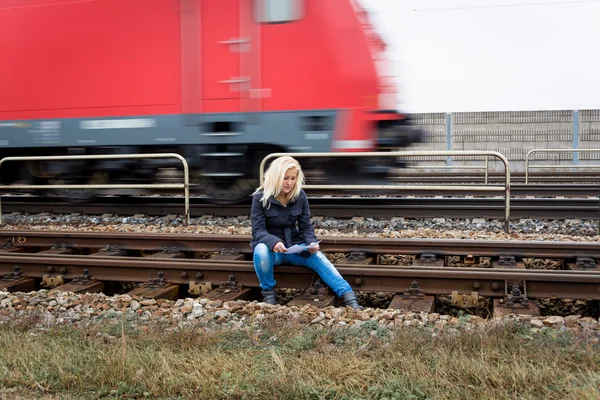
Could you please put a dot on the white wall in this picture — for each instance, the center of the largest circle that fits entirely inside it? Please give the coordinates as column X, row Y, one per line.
column 492, row 55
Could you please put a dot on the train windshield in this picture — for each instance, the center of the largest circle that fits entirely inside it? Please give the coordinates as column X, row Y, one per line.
column 278, row 11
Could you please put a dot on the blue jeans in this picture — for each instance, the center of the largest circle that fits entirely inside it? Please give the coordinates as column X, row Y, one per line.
column 265, row 260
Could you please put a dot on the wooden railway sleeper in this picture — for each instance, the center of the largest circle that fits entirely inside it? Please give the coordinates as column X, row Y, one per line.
column 168, row 252
column 413, row 299
column 228, row 255
column 15, row 275
column 62, row 246
column 317, row 294
column 59, row 248
column 157, row 288
column 585, row 263
column 230, row 290
column 517, row 296
column 428, row 259
column 414, row 291
column 16, row 281
column 109, row 251
column 507, row 261
column 157, row 282
column 9, row 246
column 357, row 257
column 231, row 285
column 84, row 279
column 229, row 252
column 84, row 283
column 316, row 290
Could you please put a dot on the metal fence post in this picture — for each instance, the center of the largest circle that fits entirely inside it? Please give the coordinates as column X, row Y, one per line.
column 575, row 152
column 448, row 137
column 575, row 136
column 487, row 164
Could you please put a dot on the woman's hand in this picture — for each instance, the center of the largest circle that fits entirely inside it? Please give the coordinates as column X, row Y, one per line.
column 313, row 247
column 279, row 248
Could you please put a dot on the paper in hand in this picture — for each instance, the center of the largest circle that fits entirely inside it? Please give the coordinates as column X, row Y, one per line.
column 299, row 248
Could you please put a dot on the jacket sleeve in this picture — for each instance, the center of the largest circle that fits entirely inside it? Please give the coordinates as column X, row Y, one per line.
column 260, row 234
column 304, row 223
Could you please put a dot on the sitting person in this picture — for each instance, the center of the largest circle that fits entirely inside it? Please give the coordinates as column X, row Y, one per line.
column 281, row 219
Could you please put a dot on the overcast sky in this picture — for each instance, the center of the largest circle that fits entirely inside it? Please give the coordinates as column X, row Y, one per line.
column 492, row 55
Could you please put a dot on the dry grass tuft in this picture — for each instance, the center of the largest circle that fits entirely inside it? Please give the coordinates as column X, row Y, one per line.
column 296, row 362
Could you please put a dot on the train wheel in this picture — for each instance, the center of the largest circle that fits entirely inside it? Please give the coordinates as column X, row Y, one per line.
column 227, row 192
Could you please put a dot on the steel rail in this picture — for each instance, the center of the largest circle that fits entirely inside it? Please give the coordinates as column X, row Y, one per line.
column 517, row 190
column 486, row 282
column 337, row 207
column 332, row 244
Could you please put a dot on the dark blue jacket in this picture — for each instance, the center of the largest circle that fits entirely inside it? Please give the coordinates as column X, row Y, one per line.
column 276, row 223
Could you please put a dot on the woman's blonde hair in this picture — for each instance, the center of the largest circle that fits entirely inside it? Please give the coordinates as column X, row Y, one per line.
column 274, row 177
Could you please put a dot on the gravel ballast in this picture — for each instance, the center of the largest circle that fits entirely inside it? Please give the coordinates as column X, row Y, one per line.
column 45, row 309
column 436, row 228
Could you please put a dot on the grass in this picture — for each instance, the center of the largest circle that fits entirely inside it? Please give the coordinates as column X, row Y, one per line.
column 296, row 362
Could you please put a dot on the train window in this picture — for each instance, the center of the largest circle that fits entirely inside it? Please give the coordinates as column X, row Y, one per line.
column 278, row 11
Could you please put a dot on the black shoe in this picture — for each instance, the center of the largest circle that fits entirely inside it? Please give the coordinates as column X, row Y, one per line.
column 350, row 300
column 269, row 296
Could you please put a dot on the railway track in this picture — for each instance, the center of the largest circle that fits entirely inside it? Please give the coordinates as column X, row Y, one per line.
column 337, row 207
column 170, row 265
column 535, row 177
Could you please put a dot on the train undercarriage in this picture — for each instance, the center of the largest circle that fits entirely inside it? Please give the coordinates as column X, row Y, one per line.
column 225, row 174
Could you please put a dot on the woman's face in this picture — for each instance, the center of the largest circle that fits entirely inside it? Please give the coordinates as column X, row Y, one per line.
column 289, row 180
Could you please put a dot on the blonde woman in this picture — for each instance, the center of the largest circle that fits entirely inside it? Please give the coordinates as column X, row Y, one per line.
column 281, row 219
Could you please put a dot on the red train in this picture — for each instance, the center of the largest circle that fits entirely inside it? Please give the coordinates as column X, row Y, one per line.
column 222, row 82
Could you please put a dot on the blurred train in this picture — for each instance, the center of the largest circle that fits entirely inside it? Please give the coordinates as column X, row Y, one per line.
column 221, row 82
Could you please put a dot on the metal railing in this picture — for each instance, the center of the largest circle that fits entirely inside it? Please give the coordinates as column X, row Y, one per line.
column 527, row 166
column 478, row 188
column 185, row 186
column 475, row 167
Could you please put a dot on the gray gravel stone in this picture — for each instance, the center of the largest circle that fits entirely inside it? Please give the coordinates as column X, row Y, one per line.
column 523, row 229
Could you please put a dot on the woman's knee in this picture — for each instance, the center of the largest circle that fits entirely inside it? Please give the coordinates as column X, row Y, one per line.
column 262, row 250
column 262, row 257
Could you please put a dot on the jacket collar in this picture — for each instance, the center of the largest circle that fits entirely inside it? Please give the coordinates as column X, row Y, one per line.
column 273, row 200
